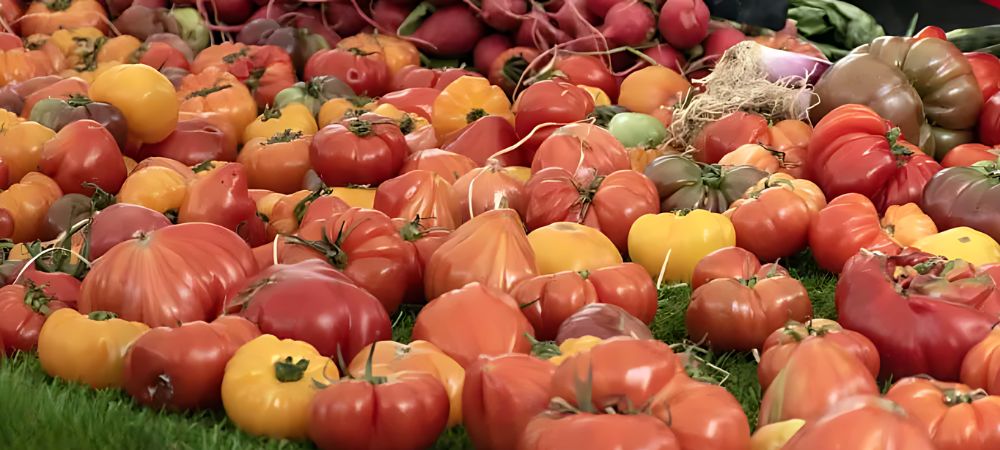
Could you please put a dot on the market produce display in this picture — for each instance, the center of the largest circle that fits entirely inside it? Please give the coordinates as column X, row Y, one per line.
column 496, row 224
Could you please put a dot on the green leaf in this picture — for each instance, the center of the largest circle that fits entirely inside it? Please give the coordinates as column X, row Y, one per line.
column 417, row 17
column 834, row 23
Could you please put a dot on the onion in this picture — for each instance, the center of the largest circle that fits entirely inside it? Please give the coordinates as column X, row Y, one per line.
column 780, row 64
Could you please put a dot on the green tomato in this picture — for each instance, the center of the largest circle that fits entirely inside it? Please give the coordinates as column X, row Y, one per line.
column 637, row 130
column 193, row 29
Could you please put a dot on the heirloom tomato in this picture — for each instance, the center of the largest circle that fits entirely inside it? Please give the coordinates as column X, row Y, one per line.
column 269, row 385
column 338, row 109
column 472, row 321
column 685, row 184
column 86, row 348
column 864, row 422
column 295, row 117
column 501, row 395
column 962, row 243
column 508, row 68
column 772, row 223
column 365, row 72
column 395, row 51
column 57, row 113
column 46, row 17
column 581, row 147
column 981, row 365
column 62, row 89
column 181, row 368
column 669, row 245
column 83, row 152
column 486, row 188
column 447, row 165
column 222, row 197
column 358, row 151
column 23, row 310
column 418, row 101
column 588, row 431
column 783, row 342
column 702, row 415
column 651, row 88
column 731, row 262
column 969, row 154
column 196, row 139
column 548, row 300
column 604, row 321
column 586, row 70
column 955, row 416
column 278, row 163
column 989, row 121
column 966, row 196
column 314, row 92
column 728, row 134
column 572, row 346
column 466, row 100
column 487, row 140
column 847, row 224
column 122, row 222
column 419, row 193
column 21, row 145
column 215, row 91
column 145, row 97
column 562, row 246
column 416, row 77
column 425, row 239
column 986, row 68
column 541, row 108
column 25, row 205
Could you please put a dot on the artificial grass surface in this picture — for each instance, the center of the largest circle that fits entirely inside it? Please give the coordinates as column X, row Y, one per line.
column 39, row 412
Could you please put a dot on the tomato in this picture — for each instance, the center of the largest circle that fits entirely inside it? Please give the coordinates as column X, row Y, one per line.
column 418, row 356
column 314, row 93
column 889, row 298
column 508, row 68
column 365, row 72
column 26, row 203
column 157, row 188
column 986, row 68
column 783, row 342
column 88, row 349
column 158, row 54
column 57, row 113
column 651, row 88
column 216, row 91
column 24, row 309
column 727, row 134
column 739, row 314
column 312, row 302
column 278, row 163
column 962, row 243
column 121, row 222
column 544, row 105
column 221, row 197
column 145, row 97
column 447, row 165
column 955, row 416
column 980, row 365
column 873, row 424
column 365, row 245
column 63, row 89
column 969, row 154
column 761, row 157
column 357, row 152
column 501, row 328
column 774, row 436
column 962, row 196
column 295, row 117
column 268, row 386
column 588, row 431
column 583, row 149
column 562, row 246
column 548, row 300
column 500, row 397
column 588, row 71
column 405, row 410
column 820, row 369
column 486, row 188
column 466, row 100
column 21, row 146
column 685, row 184
column 48, row 17
column 930, row 32
column 989, row 121
column 338, row 109
column 491, row 249
column 72, row 163
column 415, row 77
column 395, row 51
column 419, row 100
column 669, row 245
column 773, row 223
column 609, row 203
column 848, row 224
column 205, row 261
column 853, row 149
column 573, row 346
column 490, row 138
column 702, row 415
column 731, row 262
column 181, row 368
column 421, row 194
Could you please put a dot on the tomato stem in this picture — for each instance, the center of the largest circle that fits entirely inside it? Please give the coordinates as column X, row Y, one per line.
column 475, row 114
column 36, row 298
column 360, row 128
column 78, row 100
column 287, row 371
column 209, row 90
column 285, row 136
column 102, row 315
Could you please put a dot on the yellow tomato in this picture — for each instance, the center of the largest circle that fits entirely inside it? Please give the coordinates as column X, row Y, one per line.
column 963, row 243
column 775, row 435
column 89, row 349
column 394, row 113
column 465, row 100
column 520, row 173
column 294, row 116
column 686, row 237
column 563, row 246
column 356, row 197
column 268, row 386
column 21, row 144
column 396, row 52
column 119, row 48
column 265, row 204
column 572, row 346
column 600, row 98
column 650, row 88
column 129, row 164
column 158, row 188
column 77, row 44
column 335, row 109
column 145, row 97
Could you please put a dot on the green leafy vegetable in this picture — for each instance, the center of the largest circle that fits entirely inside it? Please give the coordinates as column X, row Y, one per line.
column 834, row 26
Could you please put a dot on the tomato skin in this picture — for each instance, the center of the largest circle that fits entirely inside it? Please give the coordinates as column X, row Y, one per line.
column 465, row 101
column 702, row 415
column 121, row 222
column 194, row 141
column 60, row 286
column 415, row 76
column 731, row 262
column 447, row 165
column 548, row 300
column 478, row 307
column 549, row 101
column 783, row 342
column 989, row 121
column 586, row 431
column 986, row 68
column 772, row 224
column 222, row 197
column 181, row 368
column 868, row 291
column 149, row 102
column 652, row 88
column 486, row 188
column 21, row 146
column 357, row 152
column 25, row 205
column 969, row 154
column 75, row 347
column 366, row 73
column 962, row 196
column 728, row 133
column 653, row 237
column 71, row 163
column 930, row 32
column 980, row 366
column 485, row 137
column 312, row 302
column 874, row 424
column 493, row 417
column 758, row 309
column 953, row 414
column 419, row 193
column 418, row 100
column 588, row 71
column 855, row 222
column 408, row 411
column 21, row 321
column 42, row 18
column 685, row 184
column 853, row 149
column 581, row 147
column 562, row 246
column 397, row 52
column 215, row 259
column 278, row 163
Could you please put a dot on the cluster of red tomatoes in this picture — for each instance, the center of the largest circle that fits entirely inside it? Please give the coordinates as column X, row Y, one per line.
column 236, row 224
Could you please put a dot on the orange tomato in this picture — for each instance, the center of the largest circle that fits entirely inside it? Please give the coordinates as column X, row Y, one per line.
column 907, row 224
column 278, row 163
column 21, row 144
column 118, row 48
column 26, row 203
column 464, row 101
column 649, row 88
column 216, row 91
column 396, row 52
column 791, row 138
column 805, row 189
column 334, row 110
column 47, row 17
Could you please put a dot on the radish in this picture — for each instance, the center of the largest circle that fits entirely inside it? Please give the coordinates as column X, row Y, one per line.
column 503, row 15
column 600, row 8
column 225, row 11
column 574, row 18
column 666, row 56
column 116, row 7
column 389, row 15
column 141, row 22
column 538, row 31
column 342, row 17
column 174, row 41
column 684, row 23
column 629, row 23
column 448, row 32
column 720, row 40
column 487, row 50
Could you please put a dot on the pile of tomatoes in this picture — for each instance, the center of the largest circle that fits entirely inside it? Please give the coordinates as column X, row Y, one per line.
column 238, row 225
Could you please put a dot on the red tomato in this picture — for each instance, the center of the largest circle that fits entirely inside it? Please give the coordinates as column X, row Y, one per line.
column 425, row 239
column 586, row 431
column 492, row 414
column 782, row 343
column 414, row 76
column 583, row 149
column 181, row 368
column 930, row 32
column 22, row 312
column 772, row 224
column 121, row 222
column 60, row 286
column 702, row 415
column 366, row 73
column 83, row 152
column 313, row 302
column 358, row 151
column 847, row 224
column 548, row 102
column 989, row 121
column 821, row 371
column 419, row 194
column 548, row 300
column 587, row 71
column 418, row 101
column 404, row 410
column 448, row 165
column 222, row 197
column 193, row 142
column 862, row 423
column 728, row 133
column 986, row 68
column 969, row 154
column 180, row 273
column 485, row 188
column 853, row 149
column 733, row 314
column 508, row 69
column 627, row 286
column 160, row 55
column 955, row 416
column 731, row 262
column 484, row 138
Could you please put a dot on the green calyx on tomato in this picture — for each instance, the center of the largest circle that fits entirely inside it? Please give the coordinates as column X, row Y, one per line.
column 59, row 5
column 542, row 349
column 287, row 371
column 414, row 230
column 209, row 90
column 102, row 315
column 475, row 114
column 78, row 100
column 953, row 397
column 331, row 251
column 899, row 151
column 207, row 165
column 36, row 299
column 406, row 124
column 513, row 69
column 285, row 136
column 587, row 194
column 360, row 128
column 303, row 205
column 989, row 168
column 270, row 113
column 232, row 57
